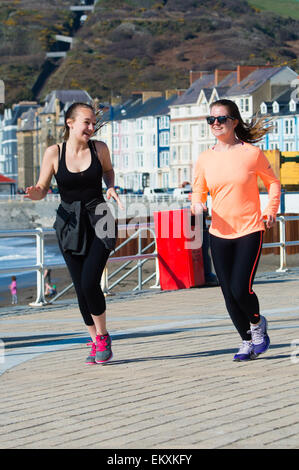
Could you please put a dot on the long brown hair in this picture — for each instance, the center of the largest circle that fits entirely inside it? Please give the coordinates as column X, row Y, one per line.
column 247, row 132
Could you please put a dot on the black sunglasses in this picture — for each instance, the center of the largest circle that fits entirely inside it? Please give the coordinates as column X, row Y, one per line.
column 220, row 119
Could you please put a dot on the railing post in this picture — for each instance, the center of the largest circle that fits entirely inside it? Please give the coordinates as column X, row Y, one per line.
column 282, row 248
column 40, row 286
column 139, row 261
column 157, row 284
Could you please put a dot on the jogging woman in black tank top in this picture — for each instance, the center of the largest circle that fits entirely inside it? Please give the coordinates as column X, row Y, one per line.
column 79, row 165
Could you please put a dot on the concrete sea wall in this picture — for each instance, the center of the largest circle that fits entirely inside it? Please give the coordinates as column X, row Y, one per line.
column 26, row 214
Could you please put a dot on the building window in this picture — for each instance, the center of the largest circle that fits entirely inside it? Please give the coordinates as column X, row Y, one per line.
column 150, row 122
column 289, row 126
column 140, row 159
column 124, row 126
column 185, row 174
column 165, row 180
column 275, row 108
column 185, row 131
column 202, row 129
column 115, row 161
column 174, row 176
column 164, row 122
column 126, row 161
column 139, row 124
column 125, row 141
column 164, row 159
column 292, row 105
column 275, row 127
column 139, row 140
column 115, row 143
column 244, row 105
column 185, row 152
column 289, row 146
column 164, row 139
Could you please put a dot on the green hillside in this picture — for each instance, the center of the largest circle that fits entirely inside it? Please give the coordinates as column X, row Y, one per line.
column 285, row 8
column 129, row 45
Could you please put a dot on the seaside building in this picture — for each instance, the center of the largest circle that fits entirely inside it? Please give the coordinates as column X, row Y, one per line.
column 154, row 138
column 190, row 134
column 8, row 143
column 2, row 158
column 138, row 131
column 284, row 113
column 38, row 127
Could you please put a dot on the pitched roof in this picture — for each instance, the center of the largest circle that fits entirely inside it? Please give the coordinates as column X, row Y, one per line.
column 253, row 81
column 190, row 96
column 15, row 113
column 134, row 108
column 206, row 83
column 153, row 107
column 64, row 96
column 29, row 120
column 284, row 104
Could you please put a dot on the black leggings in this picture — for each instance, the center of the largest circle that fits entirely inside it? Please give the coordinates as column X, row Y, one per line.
column 86, row 272
column 235, row 261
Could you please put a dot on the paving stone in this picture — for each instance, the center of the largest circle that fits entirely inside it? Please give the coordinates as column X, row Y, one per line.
column 171, row 384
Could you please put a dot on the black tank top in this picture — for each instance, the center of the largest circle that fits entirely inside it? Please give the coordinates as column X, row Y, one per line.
column 84, row 185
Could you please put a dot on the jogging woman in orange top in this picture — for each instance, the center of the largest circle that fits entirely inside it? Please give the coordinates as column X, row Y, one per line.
column 229, row 171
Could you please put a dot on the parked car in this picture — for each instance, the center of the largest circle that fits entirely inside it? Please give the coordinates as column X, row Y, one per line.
column 153, row 194
column 181, row 193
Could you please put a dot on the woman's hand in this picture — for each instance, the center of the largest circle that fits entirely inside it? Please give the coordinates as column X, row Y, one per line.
column 268, row 219
column 111, row 193
column 197, row 208
column 36, row 193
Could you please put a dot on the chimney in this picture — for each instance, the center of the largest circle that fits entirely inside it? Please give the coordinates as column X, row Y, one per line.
column 57, row 108
column 146, row 95
column 195, row 75
column 220, row 75
column 170, row 93
column 244, row 70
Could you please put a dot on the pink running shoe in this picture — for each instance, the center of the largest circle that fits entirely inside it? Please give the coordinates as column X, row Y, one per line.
column 91, row 359
column 103, row 348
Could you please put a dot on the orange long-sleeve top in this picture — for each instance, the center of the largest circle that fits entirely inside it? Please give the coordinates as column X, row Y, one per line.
column 231, row 179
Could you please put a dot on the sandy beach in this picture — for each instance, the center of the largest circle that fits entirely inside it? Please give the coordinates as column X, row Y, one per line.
column 61, row 278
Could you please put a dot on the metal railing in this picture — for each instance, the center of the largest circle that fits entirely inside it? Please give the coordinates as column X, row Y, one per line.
column 283, row 244
column 126, row 198
column 140, row 258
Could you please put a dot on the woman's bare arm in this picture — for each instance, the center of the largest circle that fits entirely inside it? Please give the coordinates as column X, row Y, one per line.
column 108, row 172
column 40, row 190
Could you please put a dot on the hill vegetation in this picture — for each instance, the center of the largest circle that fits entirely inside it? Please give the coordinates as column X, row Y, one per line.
column 286, row 8
column 128, row 45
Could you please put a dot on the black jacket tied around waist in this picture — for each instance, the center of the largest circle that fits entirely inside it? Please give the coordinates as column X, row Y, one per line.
column 71, row 229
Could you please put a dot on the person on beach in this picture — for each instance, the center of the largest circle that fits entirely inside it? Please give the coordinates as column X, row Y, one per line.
column 79, row 164
column 48, row 282
column 13, row 290
column 229, row 171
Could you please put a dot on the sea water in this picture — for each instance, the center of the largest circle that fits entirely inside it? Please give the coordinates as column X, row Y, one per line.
column 16, row 252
